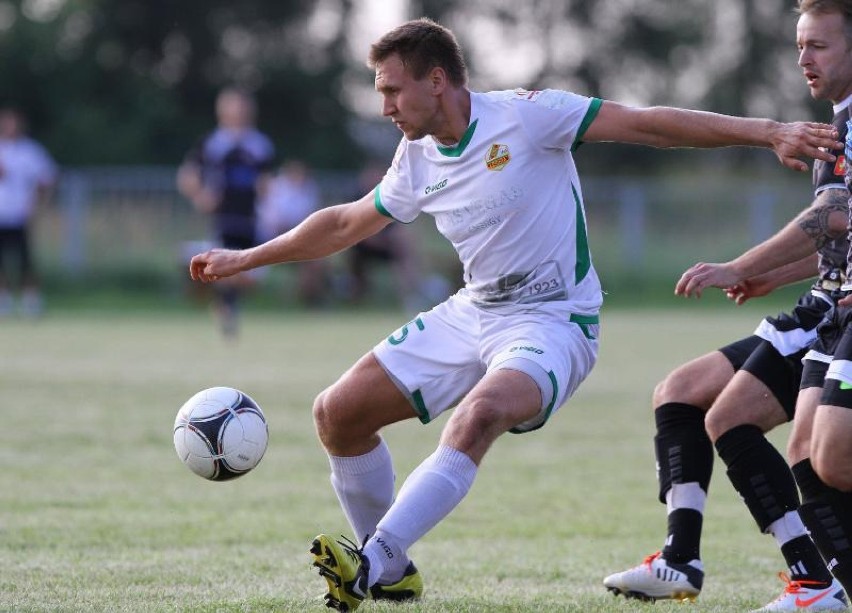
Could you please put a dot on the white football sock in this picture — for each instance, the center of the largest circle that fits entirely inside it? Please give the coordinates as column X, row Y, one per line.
column 686, row 496
column 364, row 487
column 428, row 495
column 786, row 528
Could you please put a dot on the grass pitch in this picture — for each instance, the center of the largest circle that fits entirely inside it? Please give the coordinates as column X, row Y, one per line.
column 98, row 514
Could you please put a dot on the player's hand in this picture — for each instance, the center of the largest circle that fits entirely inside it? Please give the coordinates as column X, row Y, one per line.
column 215, row 264
column 845, row 301
column 703, row 275
column 747, row 289
column 792, row 141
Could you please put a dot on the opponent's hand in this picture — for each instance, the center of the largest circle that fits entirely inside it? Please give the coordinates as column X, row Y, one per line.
column 845, row 301
column 215, row 264
column 747, row 289
column 703, row 275
column 792, row 141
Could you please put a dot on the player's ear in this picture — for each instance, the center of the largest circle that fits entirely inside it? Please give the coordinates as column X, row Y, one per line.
column 437, row 79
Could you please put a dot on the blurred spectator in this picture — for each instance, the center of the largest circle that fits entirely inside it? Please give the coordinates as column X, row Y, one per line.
column 292, row 195
column 27, row 176
column 397, row 246
column 224, row 176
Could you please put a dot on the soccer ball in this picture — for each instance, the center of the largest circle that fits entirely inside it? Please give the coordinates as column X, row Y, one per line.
column 220, row 433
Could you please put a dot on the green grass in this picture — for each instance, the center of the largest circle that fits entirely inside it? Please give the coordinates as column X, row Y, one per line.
column 98, row 514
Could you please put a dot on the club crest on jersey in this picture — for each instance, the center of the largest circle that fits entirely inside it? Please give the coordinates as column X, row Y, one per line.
column 497, row 157
column 840, row 166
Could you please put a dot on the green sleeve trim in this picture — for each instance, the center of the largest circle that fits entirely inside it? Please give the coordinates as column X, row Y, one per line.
column 588, row 118
column 377, row 201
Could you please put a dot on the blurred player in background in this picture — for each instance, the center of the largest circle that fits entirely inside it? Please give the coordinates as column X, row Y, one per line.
column 223, row 177
column 292, row 195
column 496, row 172
column 750, row 386
column 396, row 245
column 27, row 177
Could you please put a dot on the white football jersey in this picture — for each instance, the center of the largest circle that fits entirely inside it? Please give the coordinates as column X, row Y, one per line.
column 508, row 198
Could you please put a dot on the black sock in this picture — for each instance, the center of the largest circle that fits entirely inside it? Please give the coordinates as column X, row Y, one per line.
column 827, row 513
column 764, row 481
column 759, row 473
column 684, row 451
column 804, row 561
column 684, row 455
column 684, row 536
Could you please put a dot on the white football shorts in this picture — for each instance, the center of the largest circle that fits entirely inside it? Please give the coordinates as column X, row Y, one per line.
column 439, row 356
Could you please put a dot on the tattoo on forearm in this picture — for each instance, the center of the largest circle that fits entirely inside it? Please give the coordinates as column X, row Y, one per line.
column 814, row 221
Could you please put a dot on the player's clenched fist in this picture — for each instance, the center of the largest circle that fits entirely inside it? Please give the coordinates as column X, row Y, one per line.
column 214, row 264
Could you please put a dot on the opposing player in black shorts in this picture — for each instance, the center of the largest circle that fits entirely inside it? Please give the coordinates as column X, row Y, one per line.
column 824, row 474
column 750, row 386
column 223, row 176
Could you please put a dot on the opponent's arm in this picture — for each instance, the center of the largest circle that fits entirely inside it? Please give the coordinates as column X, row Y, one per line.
column 662, row 126
column 323, row 233
column 763, row 284
column 191, row 186
column 826, row 219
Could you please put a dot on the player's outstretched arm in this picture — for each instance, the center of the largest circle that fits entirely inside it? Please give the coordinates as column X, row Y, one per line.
column 323, row 233
column 662, row 126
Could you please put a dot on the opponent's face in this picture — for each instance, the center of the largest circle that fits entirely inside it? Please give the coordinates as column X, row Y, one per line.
column 410, row 103
column 825, row 55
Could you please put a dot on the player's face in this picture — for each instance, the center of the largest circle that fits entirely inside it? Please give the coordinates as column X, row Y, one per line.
column 234, row 111
column 410, row 103
column 10, row 125
column 825, row 55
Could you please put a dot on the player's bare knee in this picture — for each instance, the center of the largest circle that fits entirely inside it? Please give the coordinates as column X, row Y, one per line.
column 321, row 415
column 680, row 385
column 660, row 394
column 832, row 472
column 331, row 419
column 798, row 448
column 475, row 421
column 716, row 423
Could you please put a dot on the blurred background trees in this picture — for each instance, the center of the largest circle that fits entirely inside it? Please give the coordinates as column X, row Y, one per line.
column 132, row 81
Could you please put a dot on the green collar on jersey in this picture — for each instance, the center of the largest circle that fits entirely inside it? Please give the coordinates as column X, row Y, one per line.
column 456, row 150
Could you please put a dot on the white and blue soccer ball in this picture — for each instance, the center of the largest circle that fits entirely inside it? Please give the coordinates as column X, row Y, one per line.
column 220, row 433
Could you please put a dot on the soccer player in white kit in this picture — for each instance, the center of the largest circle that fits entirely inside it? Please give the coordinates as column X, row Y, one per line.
column 496, row 172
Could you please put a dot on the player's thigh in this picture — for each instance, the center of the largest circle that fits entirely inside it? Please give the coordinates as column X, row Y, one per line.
column 762, row 393
column 745, row 400
column 550, row 346
column 831, row 438
column 434, row 359
column 700, row 381
column 502, row 400
column 831, row 446
column 362, row 401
